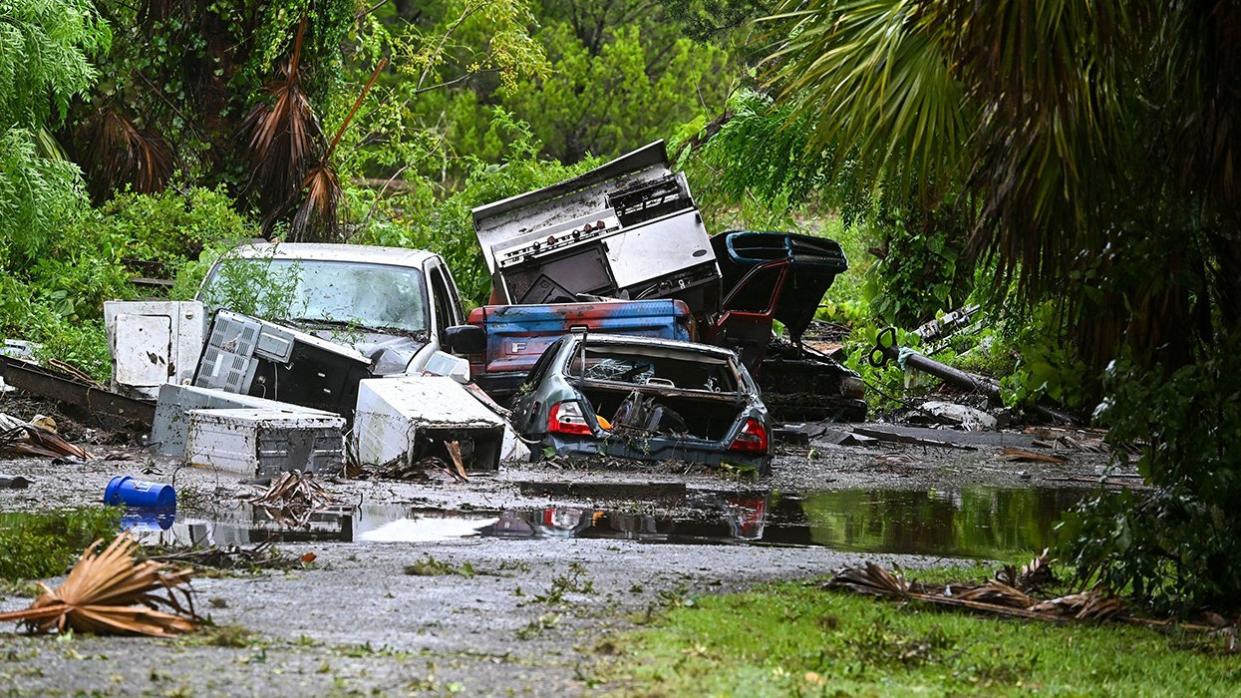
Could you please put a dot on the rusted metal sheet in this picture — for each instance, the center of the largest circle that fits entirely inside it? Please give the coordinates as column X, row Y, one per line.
column 102, row 405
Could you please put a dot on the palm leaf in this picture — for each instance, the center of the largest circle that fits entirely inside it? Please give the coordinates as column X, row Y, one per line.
column 120, row 153
column 877, row 82
column 284, row 136
column 316, row 217
column 110, row 592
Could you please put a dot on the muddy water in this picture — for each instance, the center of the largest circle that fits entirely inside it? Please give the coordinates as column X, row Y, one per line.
column 969, row 522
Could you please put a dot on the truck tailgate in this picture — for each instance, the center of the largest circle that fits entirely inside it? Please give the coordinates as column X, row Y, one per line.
column 518, row 334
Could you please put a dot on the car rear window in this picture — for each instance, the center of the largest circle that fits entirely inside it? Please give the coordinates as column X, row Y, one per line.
column 651, row 365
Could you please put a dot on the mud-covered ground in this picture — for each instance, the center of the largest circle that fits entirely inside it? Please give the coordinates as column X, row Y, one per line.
column 535, row 616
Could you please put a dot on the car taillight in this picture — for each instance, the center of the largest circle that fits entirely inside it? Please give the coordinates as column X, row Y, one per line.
column 567, row 418
column 752, row 439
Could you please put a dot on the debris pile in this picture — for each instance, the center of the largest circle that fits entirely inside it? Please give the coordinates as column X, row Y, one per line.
column 38, row 438
column 113, row 593
column 1012, row 593
column 263, row 556
column 293, row 498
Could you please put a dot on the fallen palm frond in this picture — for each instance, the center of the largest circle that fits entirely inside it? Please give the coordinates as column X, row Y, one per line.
column 292, row 498
column 19, row 438
column 999, row 597
column 872, row 579
column 994, row 592
column 1087, row 605
column 113, row 593
column 1034, row 574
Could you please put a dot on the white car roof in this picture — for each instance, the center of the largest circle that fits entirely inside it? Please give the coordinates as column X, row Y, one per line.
column 366, row 254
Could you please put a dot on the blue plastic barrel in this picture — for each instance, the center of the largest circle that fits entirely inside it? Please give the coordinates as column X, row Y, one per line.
column 123, row 489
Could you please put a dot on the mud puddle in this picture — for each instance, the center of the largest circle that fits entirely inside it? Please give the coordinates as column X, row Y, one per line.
column 968, row 522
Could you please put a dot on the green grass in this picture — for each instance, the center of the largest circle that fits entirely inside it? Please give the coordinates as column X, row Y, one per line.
column 795, row 639
column 44, row 544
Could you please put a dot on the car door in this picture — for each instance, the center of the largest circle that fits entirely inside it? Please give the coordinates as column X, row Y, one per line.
column 445, row 305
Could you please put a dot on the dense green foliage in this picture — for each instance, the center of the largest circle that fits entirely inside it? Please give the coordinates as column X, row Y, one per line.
column 445, row 225
column 1096, row 144
column 794, row 639
column 36, row 546
column 57, row 299
column 1085, row 134
column 45, row 52
column 1178, row 546
column 764, row 151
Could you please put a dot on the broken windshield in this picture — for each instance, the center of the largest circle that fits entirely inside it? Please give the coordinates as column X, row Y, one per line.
column 368, row 296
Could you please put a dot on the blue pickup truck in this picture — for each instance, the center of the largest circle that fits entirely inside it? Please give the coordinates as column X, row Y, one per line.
column 516, row 335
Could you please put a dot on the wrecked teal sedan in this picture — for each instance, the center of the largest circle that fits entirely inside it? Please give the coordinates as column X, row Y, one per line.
column 642, row 398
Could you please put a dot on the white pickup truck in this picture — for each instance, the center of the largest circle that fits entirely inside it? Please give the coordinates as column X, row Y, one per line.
column 394, row 306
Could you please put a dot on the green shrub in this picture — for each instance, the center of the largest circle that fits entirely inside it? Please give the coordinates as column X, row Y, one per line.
column 1047, row 366
column 1176, row 547
column 57, row 299
column 44, row 544
column 446, row 227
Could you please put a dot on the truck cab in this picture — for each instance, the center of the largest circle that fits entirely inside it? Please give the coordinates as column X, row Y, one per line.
column 393, row 305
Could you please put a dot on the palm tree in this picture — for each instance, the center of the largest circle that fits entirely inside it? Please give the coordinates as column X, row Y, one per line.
column 1096, row 142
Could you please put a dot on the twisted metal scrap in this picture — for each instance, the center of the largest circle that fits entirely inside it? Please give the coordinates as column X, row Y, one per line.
column 112, row 593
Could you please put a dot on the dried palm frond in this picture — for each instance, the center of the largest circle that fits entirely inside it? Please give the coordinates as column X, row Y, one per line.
column 994, row 592
column 120, row 153
column 1034, row 574
column 112, row 593
column 293, row 497
column 1087, row 605
column 316, row 216
column 872, row 579
column 284, row 137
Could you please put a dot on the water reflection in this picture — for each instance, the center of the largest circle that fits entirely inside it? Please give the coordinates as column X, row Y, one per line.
column 970, row 522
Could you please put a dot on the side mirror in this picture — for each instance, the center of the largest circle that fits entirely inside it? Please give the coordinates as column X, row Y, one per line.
column 465, row 339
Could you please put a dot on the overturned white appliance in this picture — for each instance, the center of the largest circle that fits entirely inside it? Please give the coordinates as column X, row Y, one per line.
column 403, row 420
column 153, row 343
column 627, row 229
column 263, row 442
column 171, row 427
column 247, row 355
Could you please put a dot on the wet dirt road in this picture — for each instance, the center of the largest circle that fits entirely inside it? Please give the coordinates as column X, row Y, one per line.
column 534, row 615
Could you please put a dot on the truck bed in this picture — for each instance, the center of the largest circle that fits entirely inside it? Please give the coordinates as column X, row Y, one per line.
column 518, row 334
